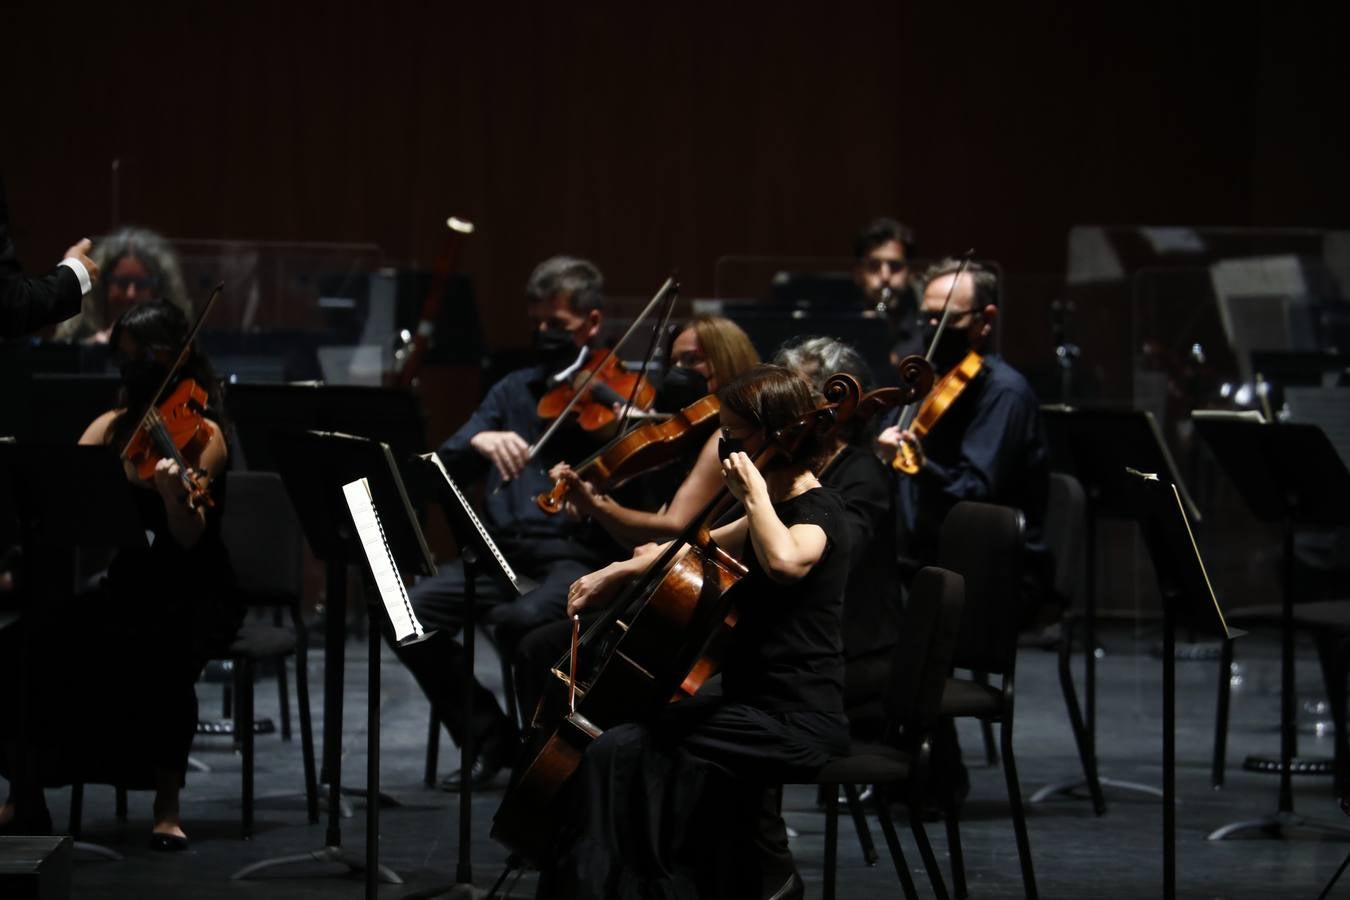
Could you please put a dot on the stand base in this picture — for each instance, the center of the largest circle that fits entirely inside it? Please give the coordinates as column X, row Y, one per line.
column 353, row 862
column 1272, row 825
column 457, row 891
column 1073, row 787
column 1297, row 766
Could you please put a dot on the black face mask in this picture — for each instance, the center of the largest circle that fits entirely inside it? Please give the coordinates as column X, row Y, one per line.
column 950, row 350
column 680, row 388
column 141, row 378
column 556, row 348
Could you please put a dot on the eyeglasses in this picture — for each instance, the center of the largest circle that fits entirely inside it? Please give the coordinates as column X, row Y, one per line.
column 690, row 360
column 957, row 318
column 126, row 282
column 874, row 264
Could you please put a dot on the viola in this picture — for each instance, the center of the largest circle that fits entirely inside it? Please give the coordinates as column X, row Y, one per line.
column 594, row 389
column 909, row 454
column 644, row 449
column 176, row 429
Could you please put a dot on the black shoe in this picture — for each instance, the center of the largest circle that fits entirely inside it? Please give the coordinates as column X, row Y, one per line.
column 495, row 757
column 167, row 843
column 791, row 889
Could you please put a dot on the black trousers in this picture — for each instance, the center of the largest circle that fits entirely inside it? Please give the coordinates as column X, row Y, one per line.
column 683, row 805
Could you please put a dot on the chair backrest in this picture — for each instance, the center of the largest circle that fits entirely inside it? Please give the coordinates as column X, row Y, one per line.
column 263, row 537
column 983, row 542
column 1066, row 535
column 922, row 659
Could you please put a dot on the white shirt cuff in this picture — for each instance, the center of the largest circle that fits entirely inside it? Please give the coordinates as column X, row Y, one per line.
column 80, row 272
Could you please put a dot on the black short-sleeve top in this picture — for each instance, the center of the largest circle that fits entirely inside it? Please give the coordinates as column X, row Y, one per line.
column 787, row 650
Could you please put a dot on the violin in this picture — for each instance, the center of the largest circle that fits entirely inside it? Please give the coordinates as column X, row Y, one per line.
column 175, row 426
column 641, row 450
column 594, row 390
column 909, row 454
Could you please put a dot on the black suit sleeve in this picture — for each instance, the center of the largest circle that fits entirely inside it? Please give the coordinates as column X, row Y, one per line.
column 27, row 304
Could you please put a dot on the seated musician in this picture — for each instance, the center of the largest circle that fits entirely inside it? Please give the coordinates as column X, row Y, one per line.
column 138, row 266
column 564, row 300
column 988, row 446
column 708, row 352
column 883, row 252
column 780, row 713
column 872, row 598
column 111, row 673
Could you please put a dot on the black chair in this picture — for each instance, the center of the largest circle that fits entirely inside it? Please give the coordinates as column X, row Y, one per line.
column 919, row 669
column 1328, row 622
column 263, row 537
column 983, row 542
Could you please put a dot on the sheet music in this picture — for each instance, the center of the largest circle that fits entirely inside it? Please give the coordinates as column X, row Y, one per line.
column 463, row 501
column 383, row 569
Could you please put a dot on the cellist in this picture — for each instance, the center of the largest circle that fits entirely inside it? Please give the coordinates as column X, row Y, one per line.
column 988, row 445
column 779, row 715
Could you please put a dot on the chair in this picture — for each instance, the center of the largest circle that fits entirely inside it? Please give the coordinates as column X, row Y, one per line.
column 263, row 537
column 983, row 542
column 920, row 665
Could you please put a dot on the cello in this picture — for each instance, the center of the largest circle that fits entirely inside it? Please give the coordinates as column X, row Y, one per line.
column 636, row 656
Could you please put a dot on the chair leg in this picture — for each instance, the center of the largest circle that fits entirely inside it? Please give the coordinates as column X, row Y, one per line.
column 433, row 749
column 1332, row 647
column 893, row 843
column 1018, row 813
column 284, row 698
column 227, row 700
column 930, row 863
column 831, row 838
column 952, row 817
column 1221, row 715
column 76, row 809
column 306, row 728
column 121, row 801
column 855, row 810
column 986, row 730
column 1087, row 754
column 243, row 728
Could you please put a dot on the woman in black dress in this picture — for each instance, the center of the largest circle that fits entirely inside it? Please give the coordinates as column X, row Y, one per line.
column 682, row 804
column 110, row 673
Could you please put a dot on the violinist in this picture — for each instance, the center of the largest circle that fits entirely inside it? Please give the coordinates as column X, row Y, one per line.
column 564, row 300
column 989, row 445
column 780, row 713
column 122, row 661
column 708, row 352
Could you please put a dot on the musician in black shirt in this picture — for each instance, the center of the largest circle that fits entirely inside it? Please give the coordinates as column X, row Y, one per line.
column 779, row 716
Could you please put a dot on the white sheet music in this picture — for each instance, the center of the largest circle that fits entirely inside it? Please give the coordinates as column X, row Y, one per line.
column 463, row 501
column 383, row 569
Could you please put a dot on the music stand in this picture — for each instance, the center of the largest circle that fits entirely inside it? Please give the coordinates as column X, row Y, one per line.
column 480, row 556
column 90, row 505
column 314, row 466
column 1289, row 475
column 1186, row 595
column 1096, row 446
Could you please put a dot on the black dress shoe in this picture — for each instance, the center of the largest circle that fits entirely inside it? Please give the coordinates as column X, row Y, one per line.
column 167, row 843
column 792, row 889
column 481, row 774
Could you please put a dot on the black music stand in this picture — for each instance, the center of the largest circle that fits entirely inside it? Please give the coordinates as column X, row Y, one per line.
column 314, row 466
column 1288, row 475
column 480, row 556
column 90, row 505
column 1187, row 596
column 1096, row 446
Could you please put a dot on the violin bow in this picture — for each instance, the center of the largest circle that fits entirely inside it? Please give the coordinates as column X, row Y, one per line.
column 178, row 363
column 671, row 287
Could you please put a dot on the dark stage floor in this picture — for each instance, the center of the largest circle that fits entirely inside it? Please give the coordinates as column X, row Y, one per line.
column 1077, row 855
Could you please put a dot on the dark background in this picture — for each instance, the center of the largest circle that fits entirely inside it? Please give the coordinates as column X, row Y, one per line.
column 651, row 137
